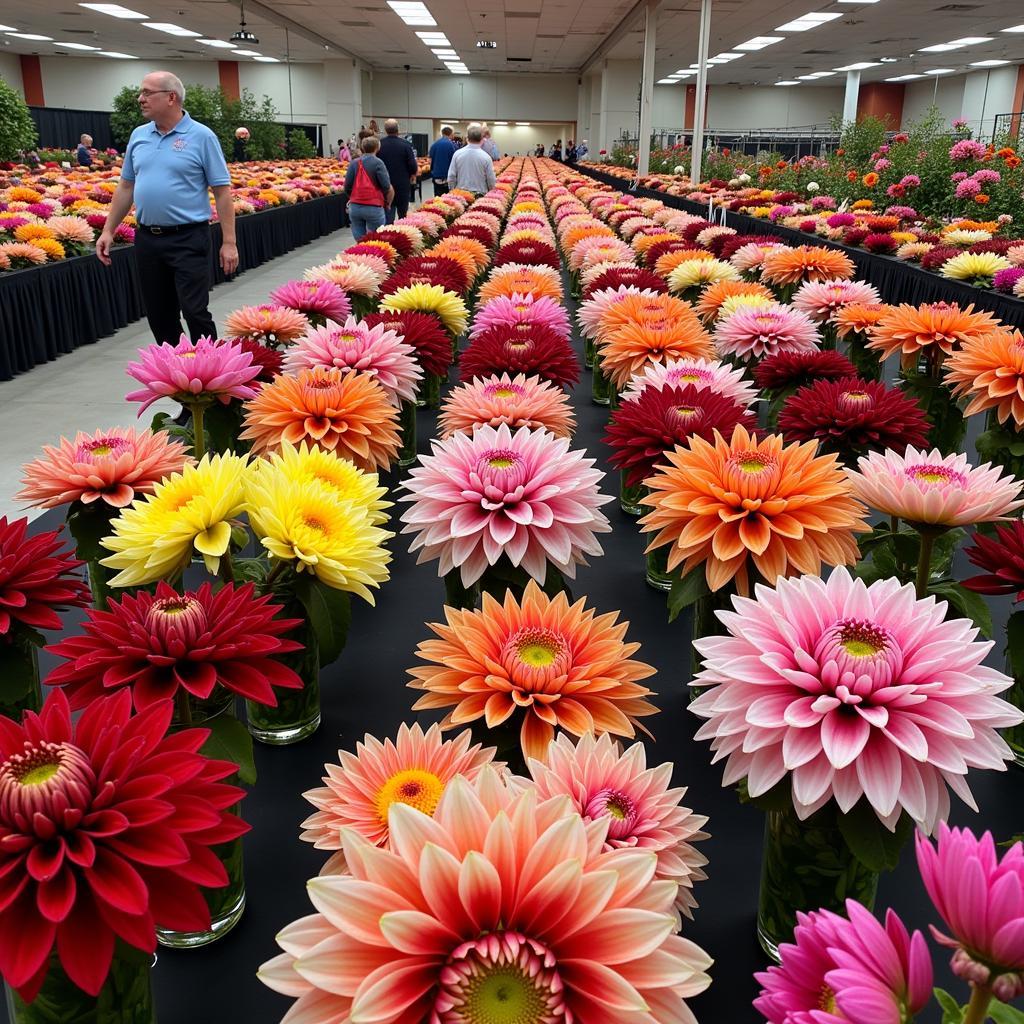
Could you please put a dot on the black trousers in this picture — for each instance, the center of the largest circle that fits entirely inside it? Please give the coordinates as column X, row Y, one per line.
column 440, row 188
column 174, row 275
column 399, row 207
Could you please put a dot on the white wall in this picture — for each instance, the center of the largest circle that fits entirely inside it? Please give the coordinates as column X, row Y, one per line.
column 733, row 107
column 10, row 71
column 619, row 100
column 948, row 96
column 308, row 100
column 668, row 106
column 986, row 94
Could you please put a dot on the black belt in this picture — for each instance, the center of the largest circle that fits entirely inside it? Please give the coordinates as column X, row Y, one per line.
column 171, row 229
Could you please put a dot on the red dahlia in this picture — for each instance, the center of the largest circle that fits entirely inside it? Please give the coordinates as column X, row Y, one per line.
column 154, row 645
column 786, row 371
column 852, row 416
column 654, row 252
column 643, row 429
column 635, row 276
column 267, row 359
column 1002, row 558
column 105, row 833
column 424, row 332
column 372, row 250
column 396, row 239
column 476, row 231
column 36, row 579
column 521, row 348
column 529, row 254
column 451, row 280
column 443, row 268
column 694, row 228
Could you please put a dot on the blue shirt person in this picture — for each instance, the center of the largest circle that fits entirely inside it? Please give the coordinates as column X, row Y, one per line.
column 83, row 155
column 441, row 153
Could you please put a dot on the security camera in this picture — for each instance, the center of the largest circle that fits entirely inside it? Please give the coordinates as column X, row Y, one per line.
column 408, row 67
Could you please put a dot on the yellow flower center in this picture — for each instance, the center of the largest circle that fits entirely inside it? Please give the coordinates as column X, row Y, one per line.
column 685, row 412
column 862, row 639
column 414, row 786
column 312, row 523
column 857, row 396
column 504, row 393
column 827, row 999
column 186, row 355
column 102, row 449
column 752, row 463
column 39, row 774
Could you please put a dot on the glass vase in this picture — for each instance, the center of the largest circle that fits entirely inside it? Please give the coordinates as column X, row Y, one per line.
column 707, row 623
column 126, row 996
column 589, row 353
column 600, row 390
column 806, row 865
column 429, row 394
column 88, row 524
column 19, row 678
column 948, row 426
column 658, row 575
column 629, row 496
column 864, row 359
column 297, row 714
column 458, row 595
column 504, row 577
column 407, row 428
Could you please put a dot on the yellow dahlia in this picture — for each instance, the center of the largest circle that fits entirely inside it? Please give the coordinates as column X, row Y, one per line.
column 32, row 232
column 51, row 247
column 430, row 298
column 698, row 273
column 975, row 266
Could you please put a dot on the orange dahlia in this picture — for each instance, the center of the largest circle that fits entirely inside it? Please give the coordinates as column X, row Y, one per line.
column 858, row 317
column 935, row 329
column 346, row 413
column 990, row 369
column 469, row 248
column 664, row 265
column 711, row 299
column 628, row 350
column 638, row 308
column 806, row 263
column 740, row 502
column 448, row 249
column 515, row 279
column 543, row 664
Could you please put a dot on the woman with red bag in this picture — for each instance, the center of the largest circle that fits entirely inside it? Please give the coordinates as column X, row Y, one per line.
column 368, row 190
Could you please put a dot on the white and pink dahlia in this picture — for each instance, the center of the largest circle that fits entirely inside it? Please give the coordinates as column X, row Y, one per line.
column 852, row 691
column 642, row 810
column 749, row 258
column 354, row 346
column 820, row 300
column 352, row 274
column 593, row 310
column 754, row 332
column 496, row 492
column 500, row 907
column 703, row 374
column 507, row 311
column 518, row 401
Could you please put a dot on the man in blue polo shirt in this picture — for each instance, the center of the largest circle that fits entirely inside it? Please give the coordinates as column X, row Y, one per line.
column 169, row 165
column 441, row 153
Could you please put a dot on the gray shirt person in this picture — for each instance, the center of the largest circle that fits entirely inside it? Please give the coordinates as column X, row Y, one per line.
column 472, row 169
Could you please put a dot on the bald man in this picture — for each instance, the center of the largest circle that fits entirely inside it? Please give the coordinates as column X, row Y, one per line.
column 400, row 159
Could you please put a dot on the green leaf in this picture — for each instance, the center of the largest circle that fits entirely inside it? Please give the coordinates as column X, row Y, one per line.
column 1015, row 643
column 878, row 536
column 686, row 590
column 163, row 421
column 965, row 601
column 250, row 570
column 222, row 424
column 229, row 740
column 952, row 1011
column 869, row 840
column 89, row 524
column 330, row 613
column 1003, row 1014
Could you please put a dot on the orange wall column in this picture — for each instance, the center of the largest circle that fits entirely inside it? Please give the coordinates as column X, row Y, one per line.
column 1018, row 101
column 691, row 106
column 32, row 80
column 878, row 99
column 228, row 70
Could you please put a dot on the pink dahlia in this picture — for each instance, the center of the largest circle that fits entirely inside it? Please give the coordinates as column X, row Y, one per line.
column 516, row 309
column 641, row 809
column 413, row 769
column 847, row 969
column 186, row 372
column 518, row 401
column 980, row 897
column 522, row 494
column 268, row 324
column 933, row 489
column 485, row 910
column 592, row 310
column 852, row 691
column 318, row 300
column 703, row 374
column 820, row 299
column 356, row 346
column 111, row 466
column 759, row 331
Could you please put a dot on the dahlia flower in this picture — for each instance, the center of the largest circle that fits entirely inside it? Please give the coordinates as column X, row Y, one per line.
column 626, row 351
column 934, row 490
column 427, row 298
column 643, row 429
column 111, row 467
column 746, row 502
column 750, row 258
column 710, row 374
column 1002, row 558
column 351, row 275
column 642, row 811
column 617, row 277
column 71, row 229
column 135, row 813
column 791, row 370
column 270, row 325
column 852, row 417
column 935, row 329
column 821, row 300
column 538, row 664
column 522, row 348
column 518, row 401
column 458, row 923
column 190, row 372
column 515, row 279
column 709, row 307
column 359, row 792
column 348, row 413
column 523, row 495
column 516, row 309
column 976, row 268
column 36, row 579
column 843, row 969
column 527, row 253
column 785, row 267
column 267, row 360
column 990, row 369
column 858, row 317
column 765, row 331
column 424, row 332
column 376, row 351
column 980, row 898
column 195, row 641
column 315, row 299
column 698, row 273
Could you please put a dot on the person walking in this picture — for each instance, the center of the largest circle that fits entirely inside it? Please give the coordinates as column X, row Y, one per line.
column 539, row 151
column 368, row 190
column 570, row 152
column 471, row 168
column 344, row 153
column 84, row 152
column 441, row 153
column 489, row 146
column 582, row 150
column 170, row 166
column 399, row 158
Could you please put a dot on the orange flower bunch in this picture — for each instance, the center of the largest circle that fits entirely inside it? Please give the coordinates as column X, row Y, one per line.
column 990, row 369
column 711, row 299
column 870, row 180
column 511, row 279
column 470, row 248
column 806, row 263
column 936, row 329
column 858, row 317
column 665, row 264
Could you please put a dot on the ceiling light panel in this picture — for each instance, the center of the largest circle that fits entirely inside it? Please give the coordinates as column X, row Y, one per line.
column 171, row 30
column 7, row 28
column 32, row 36
column 787, row 83
column 267, row 60
column 988, row 63
column 218, row 43
column 116, row 11
column 77, row 46
column 248, row 53
column 118, row 56
column 940, row 71
column 862, row 65
column 807, row 22
column 412, row 12
column 1014, row 28
column 759, row 42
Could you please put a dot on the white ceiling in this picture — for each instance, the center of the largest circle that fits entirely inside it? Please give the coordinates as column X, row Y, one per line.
column 546, row 35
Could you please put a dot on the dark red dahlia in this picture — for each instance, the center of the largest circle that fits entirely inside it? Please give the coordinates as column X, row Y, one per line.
column 405, row 276
column 528, row 253
column 852, row 416
column 36, row 579
column 996, row 245
column 195, row 641
column 934, row 259
column 476, row 231
column 439, row 267
column 693, row 229
column 881, row 242
column 734, row 242
column 396, row 239
column 521, row 348
column 1002, row 558
column 787, row 371
column 641, row 430
column 854, row 236
column 105, row 834
column 635, row 276
column 372, row 250
column 268, row 360
column 424, row 332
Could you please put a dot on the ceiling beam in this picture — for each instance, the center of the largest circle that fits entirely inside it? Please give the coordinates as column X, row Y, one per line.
column 276, row 18
column 616, row 34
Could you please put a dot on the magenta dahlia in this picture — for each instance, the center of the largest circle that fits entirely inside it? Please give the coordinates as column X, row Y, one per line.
column 521, row 348
column 528, row 253
column 318, row 300
column 519, row 309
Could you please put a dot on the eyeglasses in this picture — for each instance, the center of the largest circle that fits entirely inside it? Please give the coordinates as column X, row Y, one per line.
column 153, row 92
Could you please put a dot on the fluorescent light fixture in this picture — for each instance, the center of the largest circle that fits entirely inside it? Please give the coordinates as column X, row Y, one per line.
column 759, row 42
column 7, row 28
column 889, row 60
column 729, row 56
column 248, row 53
column 412, row 12
column 31, row 35
column 77, row 46
column 267, row 60
column 787, row 83
column 807, row 22
column 430, row 35
column 523, row 124
column 819, row 74
column 988, row 63
column 1014, row 28
column 459, row 71
column 861, row 65
column 171, row 30
column 501, row 124
column 940, row 71
column 667, row 81
column 444, row 53
column 116, row 11
column 972, row 40
column 717, row 60
column 219, row 43
column 904, row 78
column 118, row 56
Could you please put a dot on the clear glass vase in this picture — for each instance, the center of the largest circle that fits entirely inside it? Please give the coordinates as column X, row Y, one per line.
column 806, row 865
column 19, row 678
column 126, row 996
column 629, row 496
column 88, row 524
column 297, row 714
column 429, row 394
column 600, row 390
column 407, row 428
column 589, row 353
column 658, row 575
column 707, row 623
column 1014, row 735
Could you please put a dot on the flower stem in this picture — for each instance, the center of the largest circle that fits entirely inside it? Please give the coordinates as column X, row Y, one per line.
column 198, row 434
column 977, row 1008
column 227, row 567
column 183, row 706
column 924, row 562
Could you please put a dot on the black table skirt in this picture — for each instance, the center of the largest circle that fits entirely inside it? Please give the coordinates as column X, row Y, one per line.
column 896, row 280
column 50, row 310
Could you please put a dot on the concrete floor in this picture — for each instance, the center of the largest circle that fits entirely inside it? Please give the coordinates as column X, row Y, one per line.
column 85, row 389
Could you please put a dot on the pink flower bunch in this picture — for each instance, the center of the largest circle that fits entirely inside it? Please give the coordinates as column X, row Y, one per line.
column 882, row 164
column 758, row 331
column 519, row 309
column 968, row 188
column 966, row 149
column 728, row 381
column 314, row 298
column 820, row 300
column 903, row 212
column 823, row 203
column 841, row 220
